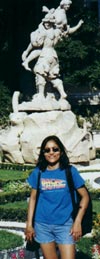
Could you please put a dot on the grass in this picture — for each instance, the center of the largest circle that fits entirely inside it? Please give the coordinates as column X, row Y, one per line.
column 96, row 206
column 16, row 205
column 9, row 240
column 10, row 175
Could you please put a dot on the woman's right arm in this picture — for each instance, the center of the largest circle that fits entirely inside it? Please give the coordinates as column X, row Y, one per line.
column 29, row 231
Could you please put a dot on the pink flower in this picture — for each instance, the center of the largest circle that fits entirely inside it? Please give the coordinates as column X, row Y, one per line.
column 13, row 256
column 21, row 253
column 96, row 251
column 93, row 250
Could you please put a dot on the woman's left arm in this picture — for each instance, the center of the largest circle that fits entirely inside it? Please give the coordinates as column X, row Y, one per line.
column 76, row 230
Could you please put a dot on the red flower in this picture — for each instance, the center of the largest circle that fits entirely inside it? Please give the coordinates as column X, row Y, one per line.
column 93, row 249
column 21, row 253
column 13, row 256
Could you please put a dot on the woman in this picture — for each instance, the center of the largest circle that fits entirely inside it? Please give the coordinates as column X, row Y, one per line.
column 53, row 224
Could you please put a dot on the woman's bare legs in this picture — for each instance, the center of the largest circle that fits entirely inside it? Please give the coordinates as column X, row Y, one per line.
column 49, row 250
column 67, row 251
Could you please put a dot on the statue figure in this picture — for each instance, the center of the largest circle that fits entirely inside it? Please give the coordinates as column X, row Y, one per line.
column 21, row 142
column 59, row 14
column 47, row 66
column 51, row 30
column 60, row 17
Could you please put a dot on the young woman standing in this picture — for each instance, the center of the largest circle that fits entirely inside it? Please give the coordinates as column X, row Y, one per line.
column 53, row 223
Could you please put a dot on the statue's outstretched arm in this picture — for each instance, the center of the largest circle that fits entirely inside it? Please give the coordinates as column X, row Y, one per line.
column 75, row 28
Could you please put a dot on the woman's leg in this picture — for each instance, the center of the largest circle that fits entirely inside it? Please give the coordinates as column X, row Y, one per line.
column 67, row 251
column 49, row 250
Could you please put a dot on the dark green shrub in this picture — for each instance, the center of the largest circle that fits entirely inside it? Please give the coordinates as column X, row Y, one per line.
column 14, row 196
column 95, row 194
column 16, row 211
column 18, row 167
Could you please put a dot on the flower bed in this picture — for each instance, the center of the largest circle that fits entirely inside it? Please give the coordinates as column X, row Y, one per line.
column 17, row 253
column 96, row 251
column 96, row 238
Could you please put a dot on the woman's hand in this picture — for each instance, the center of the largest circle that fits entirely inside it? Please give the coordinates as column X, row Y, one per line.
column 76, row 230
column 29, row 233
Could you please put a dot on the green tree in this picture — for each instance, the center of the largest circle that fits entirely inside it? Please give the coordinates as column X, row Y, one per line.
column 79, row 56
column 5, row 105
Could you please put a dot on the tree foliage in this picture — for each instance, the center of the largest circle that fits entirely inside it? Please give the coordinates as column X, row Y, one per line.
column 79, row 55
column 5, row 104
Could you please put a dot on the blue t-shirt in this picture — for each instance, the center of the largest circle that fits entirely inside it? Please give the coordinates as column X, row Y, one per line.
column 54, row 204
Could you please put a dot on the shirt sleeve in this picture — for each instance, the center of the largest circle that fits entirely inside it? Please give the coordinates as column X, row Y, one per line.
column 77, row 179
column 33, row 178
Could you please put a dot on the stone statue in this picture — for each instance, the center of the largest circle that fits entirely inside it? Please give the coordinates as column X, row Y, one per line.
column 47, row 66
column 52, row 29
column 44, row 115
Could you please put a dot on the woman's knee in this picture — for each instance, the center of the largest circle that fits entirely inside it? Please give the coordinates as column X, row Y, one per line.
column 49, row 250
column 67, row 251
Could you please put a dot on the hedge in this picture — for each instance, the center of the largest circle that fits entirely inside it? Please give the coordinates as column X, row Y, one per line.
column 10, row 166
column 6, row 197
column 15, row 211
column 13, row 196
column 13, row 214
column 95, row 194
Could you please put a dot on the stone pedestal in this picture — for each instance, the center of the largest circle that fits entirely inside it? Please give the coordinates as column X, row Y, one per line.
column 21, row 144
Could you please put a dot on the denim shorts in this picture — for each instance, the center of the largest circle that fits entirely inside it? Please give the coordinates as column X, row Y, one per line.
column 60, row 234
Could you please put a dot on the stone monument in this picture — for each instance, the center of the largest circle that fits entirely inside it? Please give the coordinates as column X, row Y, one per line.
column 46, row 115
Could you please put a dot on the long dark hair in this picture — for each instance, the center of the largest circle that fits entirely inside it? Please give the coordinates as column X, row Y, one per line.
column 42, row 162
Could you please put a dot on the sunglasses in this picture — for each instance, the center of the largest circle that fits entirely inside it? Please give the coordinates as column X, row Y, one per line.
column 54, row 149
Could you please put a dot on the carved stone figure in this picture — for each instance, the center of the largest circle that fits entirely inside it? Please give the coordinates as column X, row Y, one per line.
column 52, row 29
column 45, row 115
column 59, row 14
